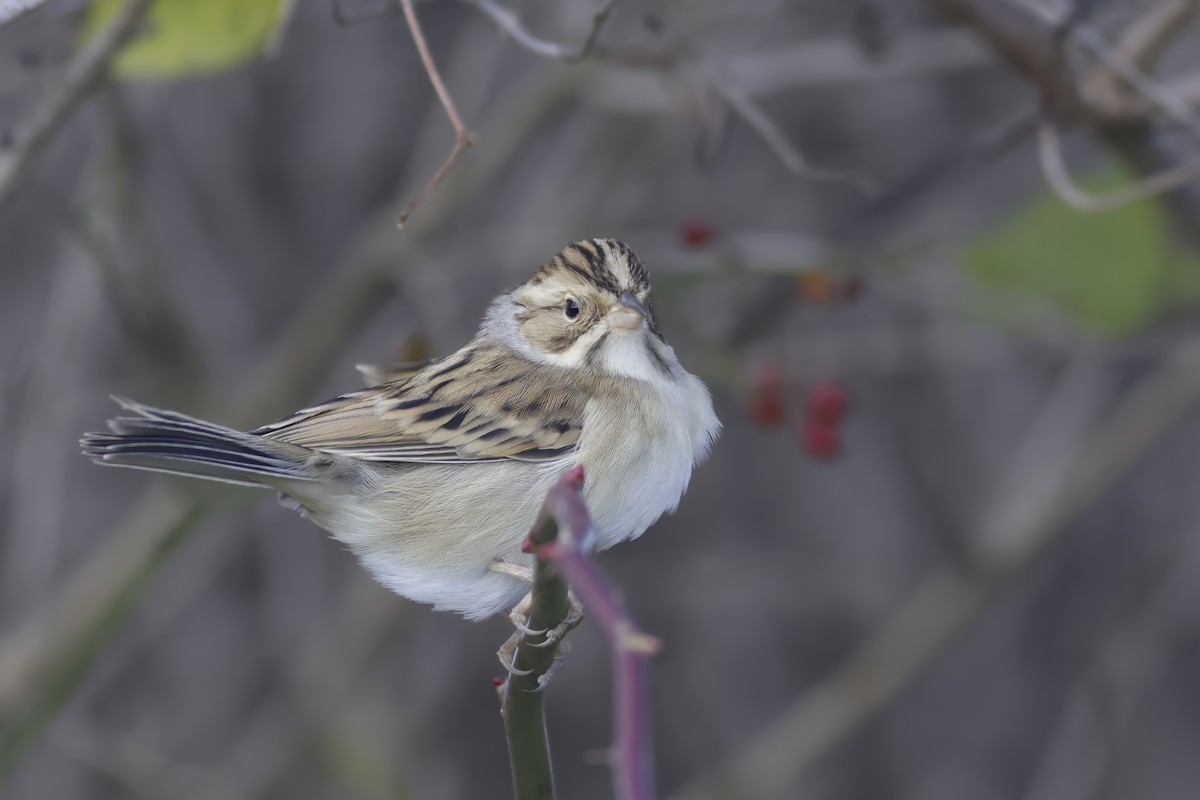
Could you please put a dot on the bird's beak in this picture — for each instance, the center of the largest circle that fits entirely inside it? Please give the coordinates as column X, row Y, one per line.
column 628, row 313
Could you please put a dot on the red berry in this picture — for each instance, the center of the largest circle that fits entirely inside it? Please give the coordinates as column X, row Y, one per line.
column 766, row 407
column 820, row 439
column 696, row 234
column 497, row 681
column 827, row 402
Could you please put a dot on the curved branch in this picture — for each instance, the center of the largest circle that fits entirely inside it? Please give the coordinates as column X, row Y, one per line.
column 1059, row 178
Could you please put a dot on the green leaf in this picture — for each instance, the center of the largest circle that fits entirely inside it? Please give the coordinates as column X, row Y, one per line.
column 1114, row 273
column 191, row 37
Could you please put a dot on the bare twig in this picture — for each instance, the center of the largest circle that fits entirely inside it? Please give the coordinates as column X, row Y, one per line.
column 560, row 540
column 1059, row 178
column 758, row 120
column 1029, row 44
column 1140, row 43
column 631, row 755
column 508, row 21
column 1093, row 41
column 925, row 624
column 731, row 92
column 81, row 74
column 463, row 138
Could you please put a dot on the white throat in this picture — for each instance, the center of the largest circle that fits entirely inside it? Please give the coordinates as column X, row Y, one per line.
column 627, row 353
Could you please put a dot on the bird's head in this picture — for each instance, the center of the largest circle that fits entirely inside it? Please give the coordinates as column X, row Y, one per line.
column 589, row 307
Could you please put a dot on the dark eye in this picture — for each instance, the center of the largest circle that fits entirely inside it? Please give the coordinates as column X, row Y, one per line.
column 572, row 309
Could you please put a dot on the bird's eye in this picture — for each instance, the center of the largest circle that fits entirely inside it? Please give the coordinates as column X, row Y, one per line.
column 572, row 309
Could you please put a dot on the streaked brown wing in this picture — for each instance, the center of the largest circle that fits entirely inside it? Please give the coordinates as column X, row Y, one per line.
column 482, row 403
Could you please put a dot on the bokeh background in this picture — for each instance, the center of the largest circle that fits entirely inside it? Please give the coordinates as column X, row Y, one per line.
column 981, row 581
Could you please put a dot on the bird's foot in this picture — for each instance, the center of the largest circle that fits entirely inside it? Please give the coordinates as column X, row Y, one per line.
column 508, row 654
column 519, row 617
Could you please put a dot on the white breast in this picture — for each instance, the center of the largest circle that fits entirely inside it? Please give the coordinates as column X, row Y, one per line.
column 638, row 451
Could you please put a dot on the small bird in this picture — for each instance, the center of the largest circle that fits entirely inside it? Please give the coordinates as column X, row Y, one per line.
column 434, row 476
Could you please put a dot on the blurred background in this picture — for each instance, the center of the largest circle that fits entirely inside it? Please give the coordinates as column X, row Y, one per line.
column 935, row 258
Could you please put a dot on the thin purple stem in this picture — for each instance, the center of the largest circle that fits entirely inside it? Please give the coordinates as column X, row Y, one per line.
column 631, row 756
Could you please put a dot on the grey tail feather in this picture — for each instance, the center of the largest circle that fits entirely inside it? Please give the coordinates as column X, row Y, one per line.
column 167, row 441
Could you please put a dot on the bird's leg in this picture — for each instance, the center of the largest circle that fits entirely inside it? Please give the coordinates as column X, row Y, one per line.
column 519, row 615
column 520, row 612
column 522, row 572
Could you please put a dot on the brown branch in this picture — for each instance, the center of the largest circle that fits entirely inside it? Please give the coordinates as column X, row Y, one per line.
column 463, row 138
column 1117, row 62
column 1026, row 38
column 79, row 77
column 1140, row 44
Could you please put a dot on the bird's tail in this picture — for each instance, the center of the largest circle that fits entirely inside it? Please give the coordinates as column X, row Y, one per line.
column 166, row 441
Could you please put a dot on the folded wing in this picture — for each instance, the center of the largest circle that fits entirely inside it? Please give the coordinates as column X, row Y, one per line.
column 476, row 405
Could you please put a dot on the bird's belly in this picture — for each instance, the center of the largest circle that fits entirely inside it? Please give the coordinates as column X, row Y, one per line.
column 431, row 532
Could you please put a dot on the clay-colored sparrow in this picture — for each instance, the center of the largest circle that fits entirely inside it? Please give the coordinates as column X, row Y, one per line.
column 435, row 478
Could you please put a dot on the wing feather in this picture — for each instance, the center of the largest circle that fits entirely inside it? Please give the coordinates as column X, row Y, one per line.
column 483, row 403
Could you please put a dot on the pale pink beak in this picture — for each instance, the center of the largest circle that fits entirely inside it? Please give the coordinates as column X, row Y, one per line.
column 628, row 313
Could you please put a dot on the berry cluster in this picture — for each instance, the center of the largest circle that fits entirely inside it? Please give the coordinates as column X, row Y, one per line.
column 825, row 406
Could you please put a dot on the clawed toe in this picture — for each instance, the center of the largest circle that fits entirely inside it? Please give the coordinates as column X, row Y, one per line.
column 517, row 618
column 553, row 635
column 507, row 653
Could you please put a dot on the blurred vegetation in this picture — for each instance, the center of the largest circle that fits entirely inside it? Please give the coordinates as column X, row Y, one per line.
column 185, row 39
column 1117, row 273
column 945, row 547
